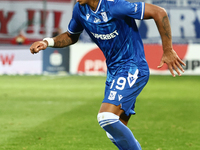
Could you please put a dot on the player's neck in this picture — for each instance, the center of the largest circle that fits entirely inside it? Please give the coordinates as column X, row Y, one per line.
column 93, row 4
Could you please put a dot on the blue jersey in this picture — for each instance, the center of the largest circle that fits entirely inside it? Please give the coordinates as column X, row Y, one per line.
column 112, row 27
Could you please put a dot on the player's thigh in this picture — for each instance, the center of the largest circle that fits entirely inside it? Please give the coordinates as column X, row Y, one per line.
column 108, row 107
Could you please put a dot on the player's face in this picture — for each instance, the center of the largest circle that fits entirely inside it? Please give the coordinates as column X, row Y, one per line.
column 82, row 2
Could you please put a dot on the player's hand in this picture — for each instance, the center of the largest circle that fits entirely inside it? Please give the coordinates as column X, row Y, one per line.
column 171, row 58
column 38, row 46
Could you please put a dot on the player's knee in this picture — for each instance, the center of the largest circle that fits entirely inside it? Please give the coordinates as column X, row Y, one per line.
column 107, row 118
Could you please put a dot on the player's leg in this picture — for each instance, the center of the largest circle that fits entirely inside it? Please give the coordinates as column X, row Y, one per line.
column 117, row 131
column 111, row 108
column 120, row 97
column 124, row 119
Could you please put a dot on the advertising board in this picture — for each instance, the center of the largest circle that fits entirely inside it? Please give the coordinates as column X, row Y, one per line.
column 56, row 60
column 88, row 59
column 19, row 60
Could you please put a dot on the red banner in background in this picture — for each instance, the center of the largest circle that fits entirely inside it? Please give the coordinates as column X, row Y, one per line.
column 93, row 61
column 63, row 1
column 34, row 20
column 88, row 59
column 154, row 53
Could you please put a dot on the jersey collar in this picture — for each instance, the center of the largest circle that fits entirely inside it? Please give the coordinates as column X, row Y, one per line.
column 98, row 6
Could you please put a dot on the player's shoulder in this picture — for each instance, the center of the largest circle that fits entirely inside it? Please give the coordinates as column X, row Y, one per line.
column 122, row 8
column 112, row 2
column 76, row 6
column 116, row 7
column 115, row 1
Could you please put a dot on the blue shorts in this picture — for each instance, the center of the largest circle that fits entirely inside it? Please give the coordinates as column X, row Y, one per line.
column 124, row 89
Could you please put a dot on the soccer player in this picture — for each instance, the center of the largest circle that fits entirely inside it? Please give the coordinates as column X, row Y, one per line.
column 111, row 25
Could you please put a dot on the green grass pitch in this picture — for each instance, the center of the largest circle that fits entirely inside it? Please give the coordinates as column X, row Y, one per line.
column 59, row 113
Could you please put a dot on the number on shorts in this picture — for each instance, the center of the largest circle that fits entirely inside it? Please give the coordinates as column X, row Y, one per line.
column 121, row 82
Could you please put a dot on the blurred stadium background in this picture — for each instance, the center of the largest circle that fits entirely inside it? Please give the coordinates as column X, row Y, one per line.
column 22, row 23
column 39, row 110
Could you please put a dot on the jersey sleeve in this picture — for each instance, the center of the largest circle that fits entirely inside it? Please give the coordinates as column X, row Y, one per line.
column 122, row 8
column 75, row 25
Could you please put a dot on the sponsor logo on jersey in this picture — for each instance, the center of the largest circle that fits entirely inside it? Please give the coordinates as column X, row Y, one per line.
column 106, row 36
column 97, row 20
column 112, row 95
column 105, row 18
column 87, row 16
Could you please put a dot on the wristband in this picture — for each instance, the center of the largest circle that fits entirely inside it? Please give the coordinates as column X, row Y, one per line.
column 50, row 41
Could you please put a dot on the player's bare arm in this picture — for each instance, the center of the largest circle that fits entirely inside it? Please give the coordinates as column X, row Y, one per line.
column 65, row 39
column 62, row 40
column 162, row 21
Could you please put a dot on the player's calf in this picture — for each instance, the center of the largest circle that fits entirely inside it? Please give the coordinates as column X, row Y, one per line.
column 121, row 135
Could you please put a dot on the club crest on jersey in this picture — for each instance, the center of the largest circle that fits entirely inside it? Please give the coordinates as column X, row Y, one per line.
column 136, row 7
column 112, row 95
column 87, row 16
column 104, row 15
